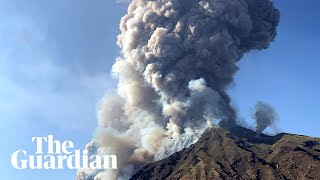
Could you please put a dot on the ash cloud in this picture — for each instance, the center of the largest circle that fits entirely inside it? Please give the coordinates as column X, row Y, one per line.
column 178, row 58
column 265, row 116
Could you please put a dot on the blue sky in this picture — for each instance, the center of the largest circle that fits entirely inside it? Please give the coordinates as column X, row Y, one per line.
column 55, row 60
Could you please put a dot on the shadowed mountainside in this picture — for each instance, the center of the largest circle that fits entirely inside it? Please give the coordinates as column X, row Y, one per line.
column 240, row 154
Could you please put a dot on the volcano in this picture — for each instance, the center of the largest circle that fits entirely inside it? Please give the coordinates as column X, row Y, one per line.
column 238, row 153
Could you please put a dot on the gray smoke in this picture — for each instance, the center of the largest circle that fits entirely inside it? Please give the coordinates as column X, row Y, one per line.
column 264, row 115
column 178, row 58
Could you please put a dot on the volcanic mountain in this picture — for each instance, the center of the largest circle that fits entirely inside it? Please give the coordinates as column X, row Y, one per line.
column 239, row 153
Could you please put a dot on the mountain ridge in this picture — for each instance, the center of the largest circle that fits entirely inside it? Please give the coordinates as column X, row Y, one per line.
column 238, row 153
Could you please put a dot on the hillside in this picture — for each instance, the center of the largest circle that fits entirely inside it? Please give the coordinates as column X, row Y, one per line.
column 240, row 154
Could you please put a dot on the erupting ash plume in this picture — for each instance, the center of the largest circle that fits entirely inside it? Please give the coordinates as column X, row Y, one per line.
column 178, row 57
column 265, row 116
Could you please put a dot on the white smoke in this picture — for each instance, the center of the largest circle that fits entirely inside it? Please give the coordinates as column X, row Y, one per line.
column 178, row 58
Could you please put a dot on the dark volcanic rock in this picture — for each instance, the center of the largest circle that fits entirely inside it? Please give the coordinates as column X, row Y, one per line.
column 240, row 154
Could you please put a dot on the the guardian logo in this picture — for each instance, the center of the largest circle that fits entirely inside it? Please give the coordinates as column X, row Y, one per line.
column 60, row 156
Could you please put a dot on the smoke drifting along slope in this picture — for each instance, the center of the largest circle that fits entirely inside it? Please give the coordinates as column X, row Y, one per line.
column 178, row 58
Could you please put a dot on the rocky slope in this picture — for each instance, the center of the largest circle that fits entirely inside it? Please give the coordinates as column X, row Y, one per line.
column 240, row 154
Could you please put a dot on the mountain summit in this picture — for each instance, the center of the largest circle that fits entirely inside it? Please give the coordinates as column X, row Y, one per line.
column 239, row 153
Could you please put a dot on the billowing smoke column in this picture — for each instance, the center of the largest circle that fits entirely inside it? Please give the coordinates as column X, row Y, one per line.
column 265, row 116
column 178, row 58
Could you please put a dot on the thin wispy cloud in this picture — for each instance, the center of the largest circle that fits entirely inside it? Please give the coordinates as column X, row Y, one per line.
column 123, row 1
column 35, row 86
